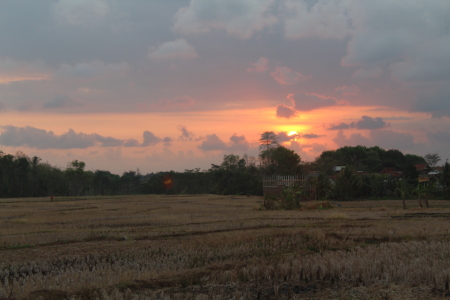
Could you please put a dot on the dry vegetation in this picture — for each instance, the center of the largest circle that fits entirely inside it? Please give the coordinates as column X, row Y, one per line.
column 215, row 247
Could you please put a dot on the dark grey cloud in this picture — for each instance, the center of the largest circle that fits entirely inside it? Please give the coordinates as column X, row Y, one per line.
column 284, row 137
column 339, row 126
column 311, row 136
column 370, row 123
column 186, row 135
column 42, row 139
column 238, row 143
column 214, row 143
column 284, row 111
column 307, row 102
column 436, row 103
column 150, row 139
column 353, row 140
column 32, row 137
column 366, row 122
column 390, row 139
column 442, row 137
column 107, row 141
column 387, row 139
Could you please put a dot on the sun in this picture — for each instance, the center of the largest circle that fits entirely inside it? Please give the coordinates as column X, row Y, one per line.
column 292, row 133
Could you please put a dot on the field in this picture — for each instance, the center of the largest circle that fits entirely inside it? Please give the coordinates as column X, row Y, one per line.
column 219, row 247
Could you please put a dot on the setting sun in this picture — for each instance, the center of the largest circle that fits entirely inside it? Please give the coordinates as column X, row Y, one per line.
column 291, row 133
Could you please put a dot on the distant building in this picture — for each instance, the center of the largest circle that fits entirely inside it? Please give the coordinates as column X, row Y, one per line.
column 338, row 168
column 392, row 172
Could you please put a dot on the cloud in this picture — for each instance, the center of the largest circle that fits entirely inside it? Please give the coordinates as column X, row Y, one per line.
column 442, row 137
column 2, row 106
column 323, row 19
column 16, row 71
column 179, row 48
column 284, row 111
column 238, row 18
column 131, row 143
column 185, row 134
column 346, row 90
column 150, row 139
column 400, row 37
column 354, row 140
column 238, row 143
column 307, row 102
column 304, row 102
column 81, row 12
column 339, row 126
column 92, row 69
column 365, row 73
column 387, row 139
column 435, row 102
column 214, row 143
column 370, row 123
column 285, row 76
column 311, row 136
column 259, row 66
column 365, row 123
column 25, row 106
column 41, row 139
column 107, row 141
column 60, row 101
column 176, row 104
column 284, row 137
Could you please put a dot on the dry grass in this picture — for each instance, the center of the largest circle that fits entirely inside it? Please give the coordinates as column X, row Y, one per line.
column 215, row 247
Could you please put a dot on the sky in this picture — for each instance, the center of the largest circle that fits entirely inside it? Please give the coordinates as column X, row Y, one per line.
column 172, row 85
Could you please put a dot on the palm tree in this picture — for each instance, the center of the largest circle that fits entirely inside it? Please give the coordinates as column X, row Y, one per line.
column 425, row 190
column 403, row 189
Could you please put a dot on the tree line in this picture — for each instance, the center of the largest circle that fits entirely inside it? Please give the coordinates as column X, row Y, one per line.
column 23, row 176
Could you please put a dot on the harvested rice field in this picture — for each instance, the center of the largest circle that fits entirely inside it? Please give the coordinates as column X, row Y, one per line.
column 221, row 247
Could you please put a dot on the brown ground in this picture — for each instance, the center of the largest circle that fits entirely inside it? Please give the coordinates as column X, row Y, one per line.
column 217, row 247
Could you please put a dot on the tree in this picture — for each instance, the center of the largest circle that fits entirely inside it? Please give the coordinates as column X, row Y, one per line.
column 403, row 189
column 424, row 190
column 347, row 185
column 267, row 142
column 282, row 161
column 444, row 178
column 75, row 172
column 34, row 163
column 432, row 159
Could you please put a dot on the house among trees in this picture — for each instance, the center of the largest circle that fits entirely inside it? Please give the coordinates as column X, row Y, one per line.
column 392, row 172
column 425, row 172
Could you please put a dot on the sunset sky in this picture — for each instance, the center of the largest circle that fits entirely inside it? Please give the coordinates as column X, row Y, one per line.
column 176, row 84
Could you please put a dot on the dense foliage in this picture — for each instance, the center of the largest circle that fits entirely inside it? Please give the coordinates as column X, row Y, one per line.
column 22, row 176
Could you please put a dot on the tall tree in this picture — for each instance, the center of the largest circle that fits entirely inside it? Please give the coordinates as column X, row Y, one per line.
column 432, row 159
column 267, row 142
column 34, row 174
